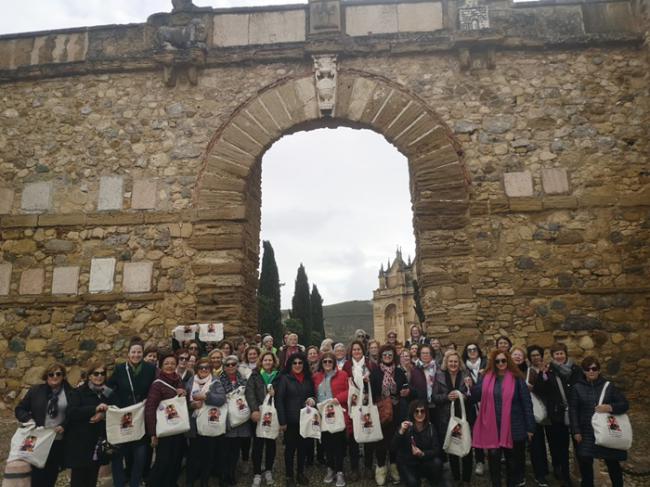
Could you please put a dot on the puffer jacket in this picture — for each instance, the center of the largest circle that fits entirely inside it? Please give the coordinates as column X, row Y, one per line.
column 340, row 386
column 256, row 390
column 159, row 392
column 441, row 389
column 290, row 397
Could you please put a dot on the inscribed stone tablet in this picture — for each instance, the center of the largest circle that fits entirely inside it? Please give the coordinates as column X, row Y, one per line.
column 110, row 193
column 65, row 280
column 555, row 181
column 5, row 278
column 518, row 183
column 31, row 281
column 144, row 194
column 37, row 196
column 137, row 277
column 102, row 271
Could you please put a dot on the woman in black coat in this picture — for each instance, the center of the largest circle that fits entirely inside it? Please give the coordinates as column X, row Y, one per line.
column 295, row 390
column 87, row 426
column 46, row 404
column 583, row 402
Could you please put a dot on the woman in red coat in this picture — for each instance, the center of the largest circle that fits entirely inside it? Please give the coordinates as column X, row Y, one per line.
column 332, row 384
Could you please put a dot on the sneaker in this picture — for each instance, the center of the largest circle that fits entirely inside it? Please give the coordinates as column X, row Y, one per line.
column 340, row 479
column 257, row 481
column 268, row 478
column 380, row 475
column 522, row 484
column 302, row 480
column 480, row 468
column 541, row 482
column 289, row 482
column 329, row 476
column 394, row 473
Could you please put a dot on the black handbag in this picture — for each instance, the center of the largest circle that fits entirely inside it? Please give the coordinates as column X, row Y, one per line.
column 104, row 451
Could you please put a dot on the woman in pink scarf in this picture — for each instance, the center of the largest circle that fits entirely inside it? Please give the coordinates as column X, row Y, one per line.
column 505, row 419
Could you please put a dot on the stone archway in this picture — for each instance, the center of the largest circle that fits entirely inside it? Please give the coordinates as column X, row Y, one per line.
column 230, row 181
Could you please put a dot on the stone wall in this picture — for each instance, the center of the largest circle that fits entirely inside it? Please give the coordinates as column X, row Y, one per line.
column 124, row 208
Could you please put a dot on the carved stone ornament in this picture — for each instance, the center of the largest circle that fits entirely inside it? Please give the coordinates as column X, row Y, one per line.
column 473, row 16
column 324, row 16
column 326, row 80
column 181, row 49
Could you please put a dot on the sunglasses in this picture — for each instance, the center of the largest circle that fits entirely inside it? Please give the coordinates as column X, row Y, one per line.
column 99, row 373
column 231, row 364
column 58, row 373
column 472, row 349
column 500, row 361
column 327, row 361
column 296, row 362
column 183, row 357
column 593, row 368
column 387, row 354
column 419, row 411
column 204, row 367
column 193, row 347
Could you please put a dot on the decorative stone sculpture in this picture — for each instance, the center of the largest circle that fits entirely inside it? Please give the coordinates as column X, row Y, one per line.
column 192, row 35
column 325, row 75
column 324, row 16
column 181, row 48
column 183, row 6
column 473, row 16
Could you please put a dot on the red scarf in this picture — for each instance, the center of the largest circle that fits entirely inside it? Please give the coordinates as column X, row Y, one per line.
column 300, row 377
column 233, row 378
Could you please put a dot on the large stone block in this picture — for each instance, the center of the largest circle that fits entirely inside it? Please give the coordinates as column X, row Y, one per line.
column 419, row 17
column 517, row 184
column 276, row 27
column 102, row 272
column 143, row 196
column 6, row 200
column 137, row 277
column 111, row 189
column 555, row 181
column 37, row 196
column 5, row 278
column 230, row 30
column 65, row 280
column 364, row 20
column 32, row 281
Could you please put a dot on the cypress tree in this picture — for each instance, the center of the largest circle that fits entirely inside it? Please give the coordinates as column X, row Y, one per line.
column 269, row 315
column 419, row 311
column 317, row 321
column 300, row 305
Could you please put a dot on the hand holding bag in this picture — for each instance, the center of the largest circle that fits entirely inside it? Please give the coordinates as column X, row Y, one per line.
column 125, row 424
column 238, row 410
column 611, row 430
column 184, row 333
column 172, row 416
column 365, row 422
column 355, row 397
column 310, row 423
column 31, row 444
column 268, row 425
column 211, row 420
column 332, row 416
column 458, row 440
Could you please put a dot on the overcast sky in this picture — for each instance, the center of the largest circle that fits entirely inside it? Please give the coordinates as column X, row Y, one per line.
column 335, row 200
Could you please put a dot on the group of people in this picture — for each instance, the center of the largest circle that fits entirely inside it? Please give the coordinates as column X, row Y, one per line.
column 414, row 385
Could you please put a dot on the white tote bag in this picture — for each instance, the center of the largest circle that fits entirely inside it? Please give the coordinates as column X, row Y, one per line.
column 458, row 440
column 125, row 424
column 172, row 416
column 238, row 410
column 611, row 430
column 355, row 397
column 31, row 444
column 211, row 420
column 310, row 422
column 211, row 332
column 268, row 425
column 539, row 408
column 365, row 422
column 183, row 333
column 332, row 417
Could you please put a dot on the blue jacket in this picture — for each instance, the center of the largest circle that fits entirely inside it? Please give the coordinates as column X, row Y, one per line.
column 216, row 396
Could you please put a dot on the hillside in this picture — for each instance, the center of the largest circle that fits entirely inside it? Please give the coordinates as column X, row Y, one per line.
column 342, row 319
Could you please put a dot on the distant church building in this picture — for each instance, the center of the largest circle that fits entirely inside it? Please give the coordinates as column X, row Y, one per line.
column 392, row 302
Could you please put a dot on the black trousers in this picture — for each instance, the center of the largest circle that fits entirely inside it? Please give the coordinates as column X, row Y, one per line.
column 246, row 446
column 464, row 473
column 295, row 446
column 537, row 450
column 165, row 470
column 587, row 472
column 334, row 447
column 412, row 474
column 199, row 459
column 231, row 449
column 259, row 446
column 355, row 454
column 84, row 476
column 46, row 476
column 515, row 463
column 559, row 446
column 381, row 447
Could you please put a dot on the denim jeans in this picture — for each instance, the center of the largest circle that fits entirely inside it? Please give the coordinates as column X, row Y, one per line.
column 135, row 453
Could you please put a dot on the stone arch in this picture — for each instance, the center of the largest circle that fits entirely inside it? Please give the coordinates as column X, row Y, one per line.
column 390, row 317
column 230, row 179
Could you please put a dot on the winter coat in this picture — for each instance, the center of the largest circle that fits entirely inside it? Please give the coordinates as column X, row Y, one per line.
column 81, row 436
column 418, row 384
column 216, row 396
column 159, row 392
column 546, row 386
column 426, row 440
column 34, row 405
column 119, row 382
column 584, row 398
column 441, row 389
column 420, row 341
column 347, row 367
column 340, row 387
column 244, row 430
column 290, row 397
column 285, row 354
column 376, row 379
column 256, row 390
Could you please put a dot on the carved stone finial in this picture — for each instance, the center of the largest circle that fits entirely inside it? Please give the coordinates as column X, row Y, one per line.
column 181, row 48
column 326, row 81
column 183, row 6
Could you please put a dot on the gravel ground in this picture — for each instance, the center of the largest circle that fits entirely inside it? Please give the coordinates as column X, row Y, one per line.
column 637, row 469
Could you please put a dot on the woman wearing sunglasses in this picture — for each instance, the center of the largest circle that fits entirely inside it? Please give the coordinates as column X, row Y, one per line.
column 417, row 447
column 475, row 363
column 331, row 383
column 583, row 403
column 184, row 371
column 86, row 426
column 46, row 404
column 505, row 420
column 295, row 390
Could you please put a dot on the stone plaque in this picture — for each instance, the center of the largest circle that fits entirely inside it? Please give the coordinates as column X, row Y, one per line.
column 65, row 280
column 111, row 189
column 32, row 281
column 324, row 16
column 37, row 197
column 518, row 184
column 473, row 17
column 102, row 271
column 555, row 181
column 6, row 200
column 137, row 277
column 5, row 278
column 143, row 196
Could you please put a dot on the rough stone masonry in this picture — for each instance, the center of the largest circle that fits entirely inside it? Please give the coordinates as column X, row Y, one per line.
column 130, row 168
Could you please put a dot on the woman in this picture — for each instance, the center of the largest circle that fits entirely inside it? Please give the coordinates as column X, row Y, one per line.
column 289, row 349
column 417, row 385
column 262, row 381
column 327, row 345
column 503, row 343
column 339, row 353
column 193, row 348
column 295, row 390
column 216, row 362
column 332, row 384
column 475, row 364
column 313, row 358
column 226, row 348
column 232, row 379
column 418, row 448
column 453, row 384
column 373, row 352
column 267, row 345
column 388, row 383
column 391, row 338
column 168, row 384
column 151, row 355
column 505, row 420
column 538, row 457
column 414, row 351
column 203, row 390
column 519, row 358
column 438, row 353
column 47, row 405
column 416, row 337
column 251, row 354
column 584, row 399
column 130, row 382
column 183, row 370
column 86, row 426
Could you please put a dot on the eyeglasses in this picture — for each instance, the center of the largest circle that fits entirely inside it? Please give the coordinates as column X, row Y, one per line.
column 58, row 373
column 296, row 362
column 327, row 361
column 501, row 361
column 99, row 373
column 387, row 354
column 419, row 411
column 204, row 367
column 231, row 364
column 183, row 357
column 472, row 349
column 193, row 347
column 593, row 368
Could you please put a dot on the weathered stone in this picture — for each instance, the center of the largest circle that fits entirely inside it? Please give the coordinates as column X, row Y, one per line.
column 586, row 343
column 555, row 181
column 111, row 189
column 518, row 184
column 65, row 280
column 465, row 127
column 102, row 271
column 35, row 345
column 88, row 345
column 144, row 194
column 137, row 277
column 37, row 197
column 579, row 323
column 32, row 281
column 5, row 278
column 525, row 262
column 57, row 246
column 6, row 200
column 16, row 345
column 498, row 125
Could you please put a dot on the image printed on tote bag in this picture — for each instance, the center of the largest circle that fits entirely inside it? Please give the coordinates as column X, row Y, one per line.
column 170, row 413
column 29, row 444
column 266, row 420
column 212, row 328
column 613, row 426
column 329, row 413
column 367, row 422
column 315, row 422
column 213, row 415
column 241, row 405
column 354, row 400
column 457, row 432
column 127, row 421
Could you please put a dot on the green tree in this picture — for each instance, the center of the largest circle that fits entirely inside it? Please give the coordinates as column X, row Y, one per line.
column 317, row 321
column 269, row 316
column 419, row 311
column 301, row 307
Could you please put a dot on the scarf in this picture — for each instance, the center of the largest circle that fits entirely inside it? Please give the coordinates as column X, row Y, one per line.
column 53, row 402
column 200, row 385
column 473, row 368
column 299, row 377
column 340, row 363
column 325, row 388
column 564, row 370
column 268, row 377
column 388, row 385
column 485, row 434
column 135, row 369
column 102, row 390
column 430, row 374
column 358, row 370
column 217, row 372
